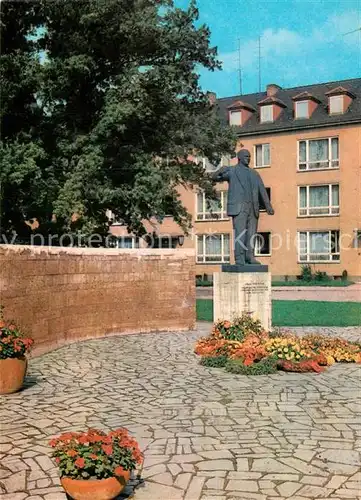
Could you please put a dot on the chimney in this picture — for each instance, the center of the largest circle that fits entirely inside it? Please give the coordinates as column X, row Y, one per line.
column 272, row 89
column 212, row 97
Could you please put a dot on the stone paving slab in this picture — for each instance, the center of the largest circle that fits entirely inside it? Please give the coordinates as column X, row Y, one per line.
column 207, row 434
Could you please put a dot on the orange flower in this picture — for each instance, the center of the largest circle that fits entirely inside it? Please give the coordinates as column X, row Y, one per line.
column 71, row 453
column 107, row 439
column 67, row 436
column 93, row 456
column 95, row 438
column 80, row 462
column 119, row 471
column 107, row 448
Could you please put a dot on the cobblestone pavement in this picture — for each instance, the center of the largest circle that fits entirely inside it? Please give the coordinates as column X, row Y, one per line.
column 206, row 434
column 350, row 293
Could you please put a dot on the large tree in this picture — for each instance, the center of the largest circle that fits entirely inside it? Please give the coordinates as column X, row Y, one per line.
column 111, row 115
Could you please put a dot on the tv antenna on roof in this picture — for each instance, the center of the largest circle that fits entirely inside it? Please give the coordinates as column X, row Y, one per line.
column 239, row 66
column 353, row 31
column 259, row 65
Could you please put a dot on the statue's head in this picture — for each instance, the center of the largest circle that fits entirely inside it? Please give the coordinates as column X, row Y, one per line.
column 244, row 157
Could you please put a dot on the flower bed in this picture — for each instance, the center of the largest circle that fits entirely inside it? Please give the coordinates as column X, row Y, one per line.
column 243, row 346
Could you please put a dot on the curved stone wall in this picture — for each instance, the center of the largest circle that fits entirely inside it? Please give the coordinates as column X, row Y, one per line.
column 60, row 295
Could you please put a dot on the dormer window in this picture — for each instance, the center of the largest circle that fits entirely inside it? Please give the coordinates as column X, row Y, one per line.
column 270, row 109
column 339, row 100
column 235, row 117
column 336, row 104
column 304, row 105
column 267, row 113
column 302, row 109
column 239, row 112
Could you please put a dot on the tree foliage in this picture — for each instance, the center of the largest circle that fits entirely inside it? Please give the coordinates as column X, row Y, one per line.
column 108, row 118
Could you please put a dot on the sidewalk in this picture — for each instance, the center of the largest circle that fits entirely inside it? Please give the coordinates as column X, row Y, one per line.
column 350, row 293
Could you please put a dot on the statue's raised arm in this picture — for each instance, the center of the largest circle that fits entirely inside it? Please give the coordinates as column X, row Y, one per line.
column 220, row 175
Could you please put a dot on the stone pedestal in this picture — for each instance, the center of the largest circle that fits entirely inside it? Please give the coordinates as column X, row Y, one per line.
column 236, row 292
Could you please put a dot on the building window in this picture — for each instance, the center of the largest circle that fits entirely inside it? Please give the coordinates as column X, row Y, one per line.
column 319, row 246
column 318, row 154
column 213, row 248
column 163, row 242
column 318, row 200
column 262, row 207
column 235, row 118
column 212, row 167
column 262, row 155
column 212, row 209
column 302, row 109
column 336, row 104
column 267, row 113
column 127, row 242
column 262, row 244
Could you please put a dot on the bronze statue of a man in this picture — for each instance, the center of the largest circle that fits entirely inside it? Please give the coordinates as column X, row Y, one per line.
column 245, row 191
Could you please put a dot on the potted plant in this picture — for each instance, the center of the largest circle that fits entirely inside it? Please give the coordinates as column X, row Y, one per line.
column 13, row 347
column 94, row 465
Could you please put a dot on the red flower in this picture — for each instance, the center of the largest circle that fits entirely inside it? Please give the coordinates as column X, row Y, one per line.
column 107, row 439
column 53, row 442
column 83, row 439
column 119, row 471
column 93, row 456
column 80, row 462
column 107, row 448
column 57, row 460
column 67, row 436
column 71, row 453
column 95, row 438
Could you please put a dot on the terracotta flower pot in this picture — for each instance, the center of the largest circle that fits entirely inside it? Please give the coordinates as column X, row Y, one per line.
column 12, row 373
column 98, row 489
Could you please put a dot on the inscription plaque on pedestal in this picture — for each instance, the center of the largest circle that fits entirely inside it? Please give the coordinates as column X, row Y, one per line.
column 235, row 293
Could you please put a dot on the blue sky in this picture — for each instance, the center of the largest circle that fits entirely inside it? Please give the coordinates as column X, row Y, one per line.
column 302, row 42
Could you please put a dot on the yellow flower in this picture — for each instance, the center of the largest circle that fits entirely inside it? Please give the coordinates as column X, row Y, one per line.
column 330, row 360
column 285, row 349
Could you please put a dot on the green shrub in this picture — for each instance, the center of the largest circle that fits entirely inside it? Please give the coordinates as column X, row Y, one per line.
column 306, row 273
column 321, row 276
column 266, row 366
column 240, row 327
column 216, row 362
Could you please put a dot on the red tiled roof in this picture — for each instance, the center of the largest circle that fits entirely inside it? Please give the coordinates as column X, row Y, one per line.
column 340, row 91
column 272, row 100
column 305, row 95
column 241, row 104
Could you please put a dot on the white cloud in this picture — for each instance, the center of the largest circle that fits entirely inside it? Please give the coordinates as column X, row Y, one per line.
column 285, row 43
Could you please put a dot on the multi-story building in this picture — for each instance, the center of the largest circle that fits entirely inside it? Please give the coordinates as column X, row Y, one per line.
column 306, row 144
